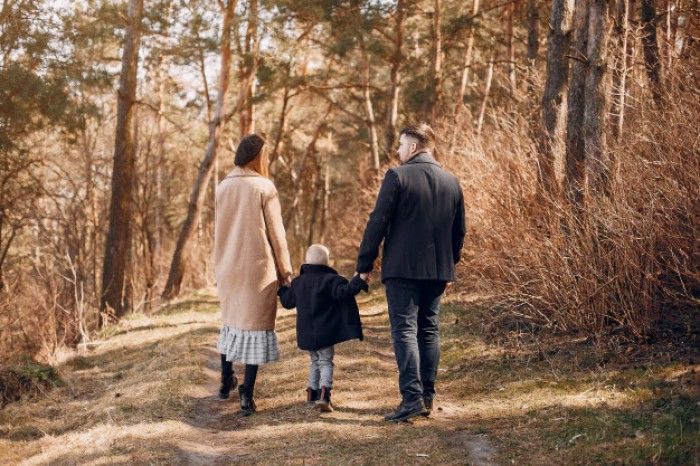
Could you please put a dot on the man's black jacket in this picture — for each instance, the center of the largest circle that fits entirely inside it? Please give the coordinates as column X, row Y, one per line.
column 327, row 312
column 420, row 216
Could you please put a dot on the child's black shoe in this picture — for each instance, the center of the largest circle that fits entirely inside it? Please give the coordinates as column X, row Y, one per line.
column 324, row 401
column 312, row 396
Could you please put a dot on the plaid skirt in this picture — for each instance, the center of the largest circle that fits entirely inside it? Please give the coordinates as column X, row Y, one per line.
column 248, row 346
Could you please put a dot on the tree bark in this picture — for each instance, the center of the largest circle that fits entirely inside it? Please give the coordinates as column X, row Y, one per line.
column 371, row 123
column 510, row 63
column 554, row 96
column 533, row 42
column 247, row 117
column 575, row 168
column 487, row 91
column 619, row 78
column 468, row 54
column 651, row 49
column 435, row 79
column 597, row 161
column 116, row 245
column 216, row 126
column 392, row 110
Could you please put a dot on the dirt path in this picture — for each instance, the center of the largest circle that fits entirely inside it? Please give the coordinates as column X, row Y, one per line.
column 284, row 431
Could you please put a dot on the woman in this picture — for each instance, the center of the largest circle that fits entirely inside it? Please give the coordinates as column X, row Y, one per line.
column 250, row 260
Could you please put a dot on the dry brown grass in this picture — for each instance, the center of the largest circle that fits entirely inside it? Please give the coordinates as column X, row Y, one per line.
column 144, row 396
column 627, row 264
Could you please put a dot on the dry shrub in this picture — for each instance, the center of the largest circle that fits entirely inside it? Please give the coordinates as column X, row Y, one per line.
column 41, row 311
column 25, row 378
column 628, row 263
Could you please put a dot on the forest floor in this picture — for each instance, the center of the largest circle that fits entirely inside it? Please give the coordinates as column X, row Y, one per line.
column 144, row 394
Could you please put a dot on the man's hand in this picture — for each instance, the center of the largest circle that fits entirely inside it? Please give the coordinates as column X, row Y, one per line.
column 367, row 277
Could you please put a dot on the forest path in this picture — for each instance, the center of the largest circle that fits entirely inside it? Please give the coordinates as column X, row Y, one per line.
column 144, row 393
column 284, row 431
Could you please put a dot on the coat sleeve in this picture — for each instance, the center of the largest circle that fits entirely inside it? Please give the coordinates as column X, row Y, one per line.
column 459, row 228
column 342, row 289
column 378, row 223
column 276, row 234
column 287, row 297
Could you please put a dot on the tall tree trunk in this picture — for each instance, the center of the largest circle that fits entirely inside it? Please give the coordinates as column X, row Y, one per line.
column 371, row 123
column 510, row 63
column 434, row 93
column 216, row 126
column 116, row 245
column 619, row 78
column 597, row 161
column 651, row 48
column 487, row 91
column 326, row 200
column 392, row 111
column 247, row 117
column 575, row 166
column 533, row 42
column 554, row 96
column 466, row 68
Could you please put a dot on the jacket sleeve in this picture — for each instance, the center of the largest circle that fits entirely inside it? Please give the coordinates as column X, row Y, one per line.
column 287, row 297
column 342, row 289
column 378, row 223
column 459, row 228
column 276, row 234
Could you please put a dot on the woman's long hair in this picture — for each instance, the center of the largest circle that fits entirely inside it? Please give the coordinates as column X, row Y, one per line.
column 260, row 164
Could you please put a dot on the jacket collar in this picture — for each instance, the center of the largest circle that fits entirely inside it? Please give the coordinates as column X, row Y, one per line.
column 242, row 171
column 423, row 157
column 314, row 268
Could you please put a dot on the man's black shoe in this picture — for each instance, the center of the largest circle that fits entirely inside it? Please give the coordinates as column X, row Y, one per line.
column 407, row 411
column 428, row 402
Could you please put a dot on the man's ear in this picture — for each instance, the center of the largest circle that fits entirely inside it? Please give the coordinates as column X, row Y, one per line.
column 414, row 147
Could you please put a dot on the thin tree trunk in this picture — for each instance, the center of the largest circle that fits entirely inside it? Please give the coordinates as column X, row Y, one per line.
column 510, row 63
column 598, row 164
column 651, row 49
column 466, row 68
column 178, row 264
column 533, row 43
column 392, row 110
column 554, row 96
column 487, row 91
column 619, row 78
column 247, row 118
column 432, row 102
column 371, row 123
column 326, row 201
column 116, row 245
column 575, row 166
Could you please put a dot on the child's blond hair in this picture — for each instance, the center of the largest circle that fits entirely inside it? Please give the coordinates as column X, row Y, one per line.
column 317, row 254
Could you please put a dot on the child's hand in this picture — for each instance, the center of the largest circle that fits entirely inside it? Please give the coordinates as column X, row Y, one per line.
column 367, row 277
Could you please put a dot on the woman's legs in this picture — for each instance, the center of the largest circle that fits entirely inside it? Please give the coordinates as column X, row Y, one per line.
column 246, row 390
column 228, row 378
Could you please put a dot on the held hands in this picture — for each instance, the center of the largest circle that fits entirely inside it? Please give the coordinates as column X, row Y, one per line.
column 367, row 277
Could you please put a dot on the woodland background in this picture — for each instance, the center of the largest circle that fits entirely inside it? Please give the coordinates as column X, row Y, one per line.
column 572, row 125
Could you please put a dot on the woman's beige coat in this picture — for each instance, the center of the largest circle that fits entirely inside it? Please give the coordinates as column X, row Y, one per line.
column 250, row 250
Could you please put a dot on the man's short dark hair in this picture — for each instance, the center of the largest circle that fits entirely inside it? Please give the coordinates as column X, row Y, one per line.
column 423, row 133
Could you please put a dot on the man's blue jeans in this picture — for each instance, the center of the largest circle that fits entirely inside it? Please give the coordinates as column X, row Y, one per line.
column 414, row 311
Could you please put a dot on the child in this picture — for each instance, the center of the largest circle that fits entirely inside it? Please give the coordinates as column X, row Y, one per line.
column 327, row 314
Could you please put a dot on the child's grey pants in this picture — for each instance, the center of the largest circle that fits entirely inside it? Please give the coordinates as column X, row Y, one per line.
column 321, row 371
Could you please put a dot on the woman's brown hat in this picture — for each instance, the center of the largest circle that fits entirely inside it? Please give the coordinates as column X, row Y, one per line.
column 248, row 149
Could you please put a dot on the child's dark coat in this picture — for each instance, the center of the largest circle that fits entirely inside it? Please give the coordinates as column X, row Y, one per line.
column 327, row 313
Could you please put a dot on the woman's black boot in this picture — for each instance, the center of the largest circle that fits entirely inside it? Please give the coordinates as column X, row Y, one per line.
column 247, row 401
column 228, row 378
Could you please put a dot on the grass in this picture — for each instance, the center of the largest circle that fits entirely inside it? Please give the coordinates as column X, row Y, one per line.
column 143, row 395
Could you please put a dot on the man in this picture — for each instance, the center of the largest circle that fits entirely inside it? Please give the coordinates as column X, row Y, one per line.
column 420, row 216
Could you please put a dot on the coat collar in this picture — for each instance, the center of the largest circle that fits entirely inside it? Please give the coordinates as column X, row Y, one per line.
column 423, row 157
column 243, row 171
column 314, row 268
